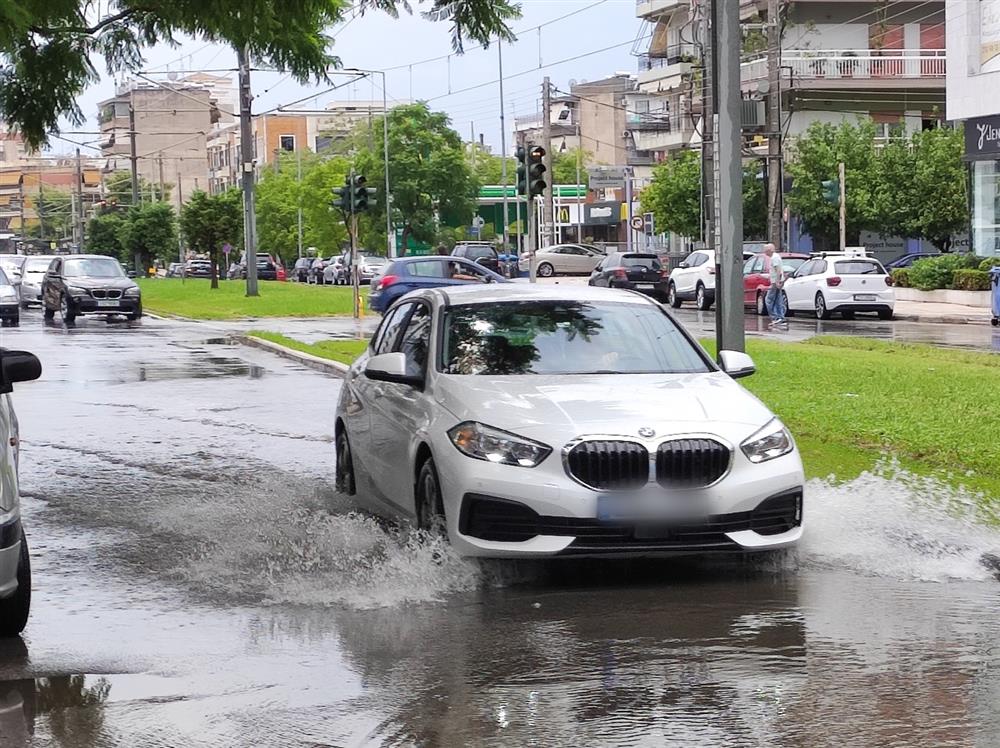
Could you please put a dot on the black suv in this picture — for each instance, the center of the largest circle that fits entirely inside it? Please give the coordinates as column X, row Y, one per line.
column 89, row 284
column 267, row 267
column 479, row 252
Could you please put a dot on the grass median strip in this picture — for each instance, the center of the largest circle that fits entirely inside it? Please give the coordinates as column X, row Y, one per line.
column 849, row 401
column 343, row 351
column 194, row 298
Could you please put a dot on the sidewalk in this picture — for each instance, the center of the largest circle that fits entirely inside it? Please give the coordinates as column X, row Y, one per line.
column 925, row 311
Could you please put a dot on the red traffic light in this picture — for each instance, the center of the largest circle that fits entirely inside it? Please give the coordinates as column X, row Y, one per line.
column 537, row 153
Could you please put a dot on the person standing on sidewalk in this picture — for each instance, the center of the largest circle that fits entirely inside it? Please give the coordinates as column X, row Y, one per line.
column 774, row 300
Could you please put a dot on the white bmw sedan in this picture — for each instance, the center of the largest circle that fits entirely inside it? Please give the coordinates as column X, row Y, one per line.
column 554, row 420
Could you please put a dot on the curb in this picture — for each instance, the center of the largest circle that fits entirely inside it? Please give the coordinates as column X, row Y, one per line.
column 324, row 365
column 947, row 319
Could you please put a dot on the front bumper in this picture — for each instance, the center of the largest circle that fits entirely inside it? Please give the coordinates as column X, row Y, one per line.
column 88, row 305
column 31, row 293
column 504, row 511
column 9, row 310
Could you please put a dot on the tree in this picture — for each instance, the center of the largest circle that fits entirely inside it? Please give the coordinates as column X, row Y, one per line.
column 210, row 221
column 488, row 167
column 55, row 212
column 323, row 227
column 431, row 177
column 674, row 196
column 939, row 186
column 149, row 231
column 102, row 237
column 47, row 47
column 277, row 206
column 564, row 166
column 813, row 160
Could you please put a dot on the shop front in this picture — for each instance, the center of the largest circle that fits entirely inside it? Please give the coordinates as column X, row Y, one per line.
column 982, row 151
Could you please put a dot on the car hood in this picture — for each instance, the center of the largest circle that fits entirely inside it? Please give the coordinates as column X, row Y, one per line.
column 85, row 282
column 560, row 408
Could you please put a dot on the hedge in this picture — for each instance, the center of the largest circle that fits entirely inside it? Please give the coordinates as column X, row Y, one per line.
column 971, row 280
column 933, row 273
column 989, row 263
column 901, row 277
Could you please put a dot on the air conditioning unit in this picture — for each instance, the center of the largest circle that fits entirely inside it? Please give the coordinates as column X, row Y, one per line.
column 752, row 114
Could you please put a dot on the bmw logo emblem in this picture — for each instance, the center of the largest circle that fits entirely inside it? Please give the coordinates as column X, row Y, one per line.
column 647, row 433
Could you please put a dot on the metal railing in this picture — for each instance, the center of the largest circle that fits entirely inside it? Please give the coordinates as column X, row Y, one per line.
column 672, row 55
column 846, row 64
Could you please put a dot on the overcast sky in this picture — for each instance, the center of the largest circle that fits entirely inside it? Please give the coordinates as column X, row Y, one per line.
column 375, row 41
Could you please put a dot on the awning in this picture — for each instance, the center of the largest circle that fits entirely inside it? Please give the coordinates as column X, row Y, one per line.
column 10, row 178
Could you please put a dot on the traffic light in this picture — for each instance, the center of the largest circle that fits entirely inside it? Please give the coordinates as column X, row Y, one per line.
column 522, row 170
column 342, row 196
column 831, row 191
column 536, row 171
column 362, row 197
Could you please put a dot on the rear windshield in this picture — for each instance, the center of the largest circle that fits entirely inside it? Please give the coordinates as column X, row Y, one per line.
column 477, row 253
column 37, row 264
column 857, row 267
column 644, row 261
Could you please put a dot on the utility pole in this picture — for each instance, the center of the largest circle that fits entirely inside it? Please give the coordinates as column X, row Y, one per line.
column 707, row 129
column 20, row 210
column 841, row 174
column 580, row 199
column 298, row 193
column 353, row 231
column 774, row 157
column 163, row 191
column 247, row 172
column 729, row 255
column 137, row 259
column 180, row 205
column 548, row 217
column 503, row 150
column 78, row 234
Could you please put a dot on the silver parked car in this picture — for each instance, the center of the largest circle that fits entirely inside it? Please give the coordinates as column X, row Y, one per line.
column 563, row 259
column 32, row 276
column 15, row 564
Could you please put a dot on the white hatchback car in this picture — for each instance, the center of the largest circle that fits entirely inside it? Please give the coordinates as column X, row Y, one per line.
column 550, row 420
column 843, row 283
column 694, row 280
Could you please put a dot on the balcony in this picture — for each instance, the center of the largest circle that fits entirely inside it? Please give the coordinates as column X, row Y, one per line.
column 840, row 68
column 654, row 8
column 662, row 72
column 660, row 132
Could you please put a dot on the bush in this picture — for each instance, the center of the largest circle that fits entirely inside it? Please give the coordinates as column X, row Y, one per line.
column 989, row 263
column 936, row 272
column 971, row 280
column 901, row 277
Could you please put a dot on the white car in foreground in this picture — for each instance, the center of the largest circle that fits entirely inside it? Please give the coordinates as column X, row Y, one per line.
column 550, row 420
column 841, row 283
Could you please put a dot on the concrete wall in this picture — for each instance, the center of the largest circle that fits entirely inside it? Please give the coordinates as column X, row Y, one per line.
column 970, row 92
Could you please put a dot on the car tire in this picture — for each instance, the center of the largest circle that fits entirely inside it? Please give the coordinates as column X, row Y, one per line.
column 66, row 309
column 136, row 315
column 761, row 305
column 820, row 306
column 701, row 299
column 14, row 610
column 430, row 506
column 345, row 477
column 15, row 321
column 847, row 314
column 672, row 298
column 789, row 312
column 545, row 270
column 887, row 314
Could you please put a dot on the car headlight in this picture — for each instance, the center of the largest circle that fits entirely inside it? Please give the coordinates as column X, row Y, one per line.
column 76, row 291
column 7, row 293
column 773, row 440
column 132, row 293
column 493, row 445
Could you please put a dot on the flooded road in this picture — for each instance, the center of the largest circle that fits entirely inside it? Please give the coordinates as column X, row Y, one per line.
column 199, row 583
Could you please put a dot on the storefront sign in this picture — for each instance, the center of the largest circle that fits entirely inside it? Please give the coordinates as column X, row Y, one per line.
column 605, row 214
column 606, row 177
column 982, row 138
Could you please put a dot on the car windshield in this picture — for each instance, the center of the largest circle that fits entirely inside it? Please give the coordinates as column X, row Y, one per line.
column 11, row 264
column 93, row 267
column 37, row 264
column 641, row 261
column 565, row 337
column 857, row 267
column 791, row 264
column 3, row 278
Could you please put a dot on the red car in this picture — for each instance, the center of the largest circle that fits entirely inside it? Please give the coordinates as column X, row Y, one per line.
column 756, row 281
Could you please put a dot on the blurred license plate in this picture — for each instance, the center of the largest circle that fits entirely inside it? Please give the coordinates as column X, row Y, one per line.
column 107, row 302
column 646, row 506
column 865, row 297
column 644, row 285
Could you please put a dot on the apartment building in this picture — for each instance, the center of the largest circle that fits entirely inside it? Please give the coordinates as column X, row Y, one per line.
column 173, row 122
column 839, row 59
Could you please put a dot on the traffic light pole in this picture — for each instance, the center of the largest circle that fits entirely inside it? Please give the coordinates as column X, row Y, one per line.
column 843, row 206
column 353, row 231
column 247, row 173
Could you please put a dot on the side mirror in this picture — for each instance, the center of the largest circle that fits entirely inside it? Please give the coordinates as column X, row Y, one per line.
column 736, row 364
column 684, row 264
column 18, row 366
column 391, row 367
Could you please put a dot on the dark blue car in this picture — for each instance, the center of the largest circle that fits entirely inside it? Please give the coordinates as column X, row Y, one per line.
column 904, row 261
column 410, row 273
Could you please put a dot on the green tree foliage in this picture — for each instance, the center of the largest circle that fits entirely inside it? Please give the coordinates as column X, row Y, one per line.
column 673, row 197
column 149, row 231
column 101, row 237
column 210, row 221
column 564, row 166
column 324, row 227
column 488, row 167
column 430, row 174
column 55, row 210
column 939, row 182
column 278, row 197
column 48, row 47
column 814, row 158
column 118, row 189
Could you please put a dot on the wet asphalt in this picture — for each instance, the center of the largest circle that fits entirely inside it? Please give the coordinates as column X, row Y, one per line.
column 198, row 582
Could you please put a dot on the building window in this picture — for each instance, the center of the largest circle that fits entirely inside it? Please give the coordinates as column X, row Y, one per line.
column 288, row 142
